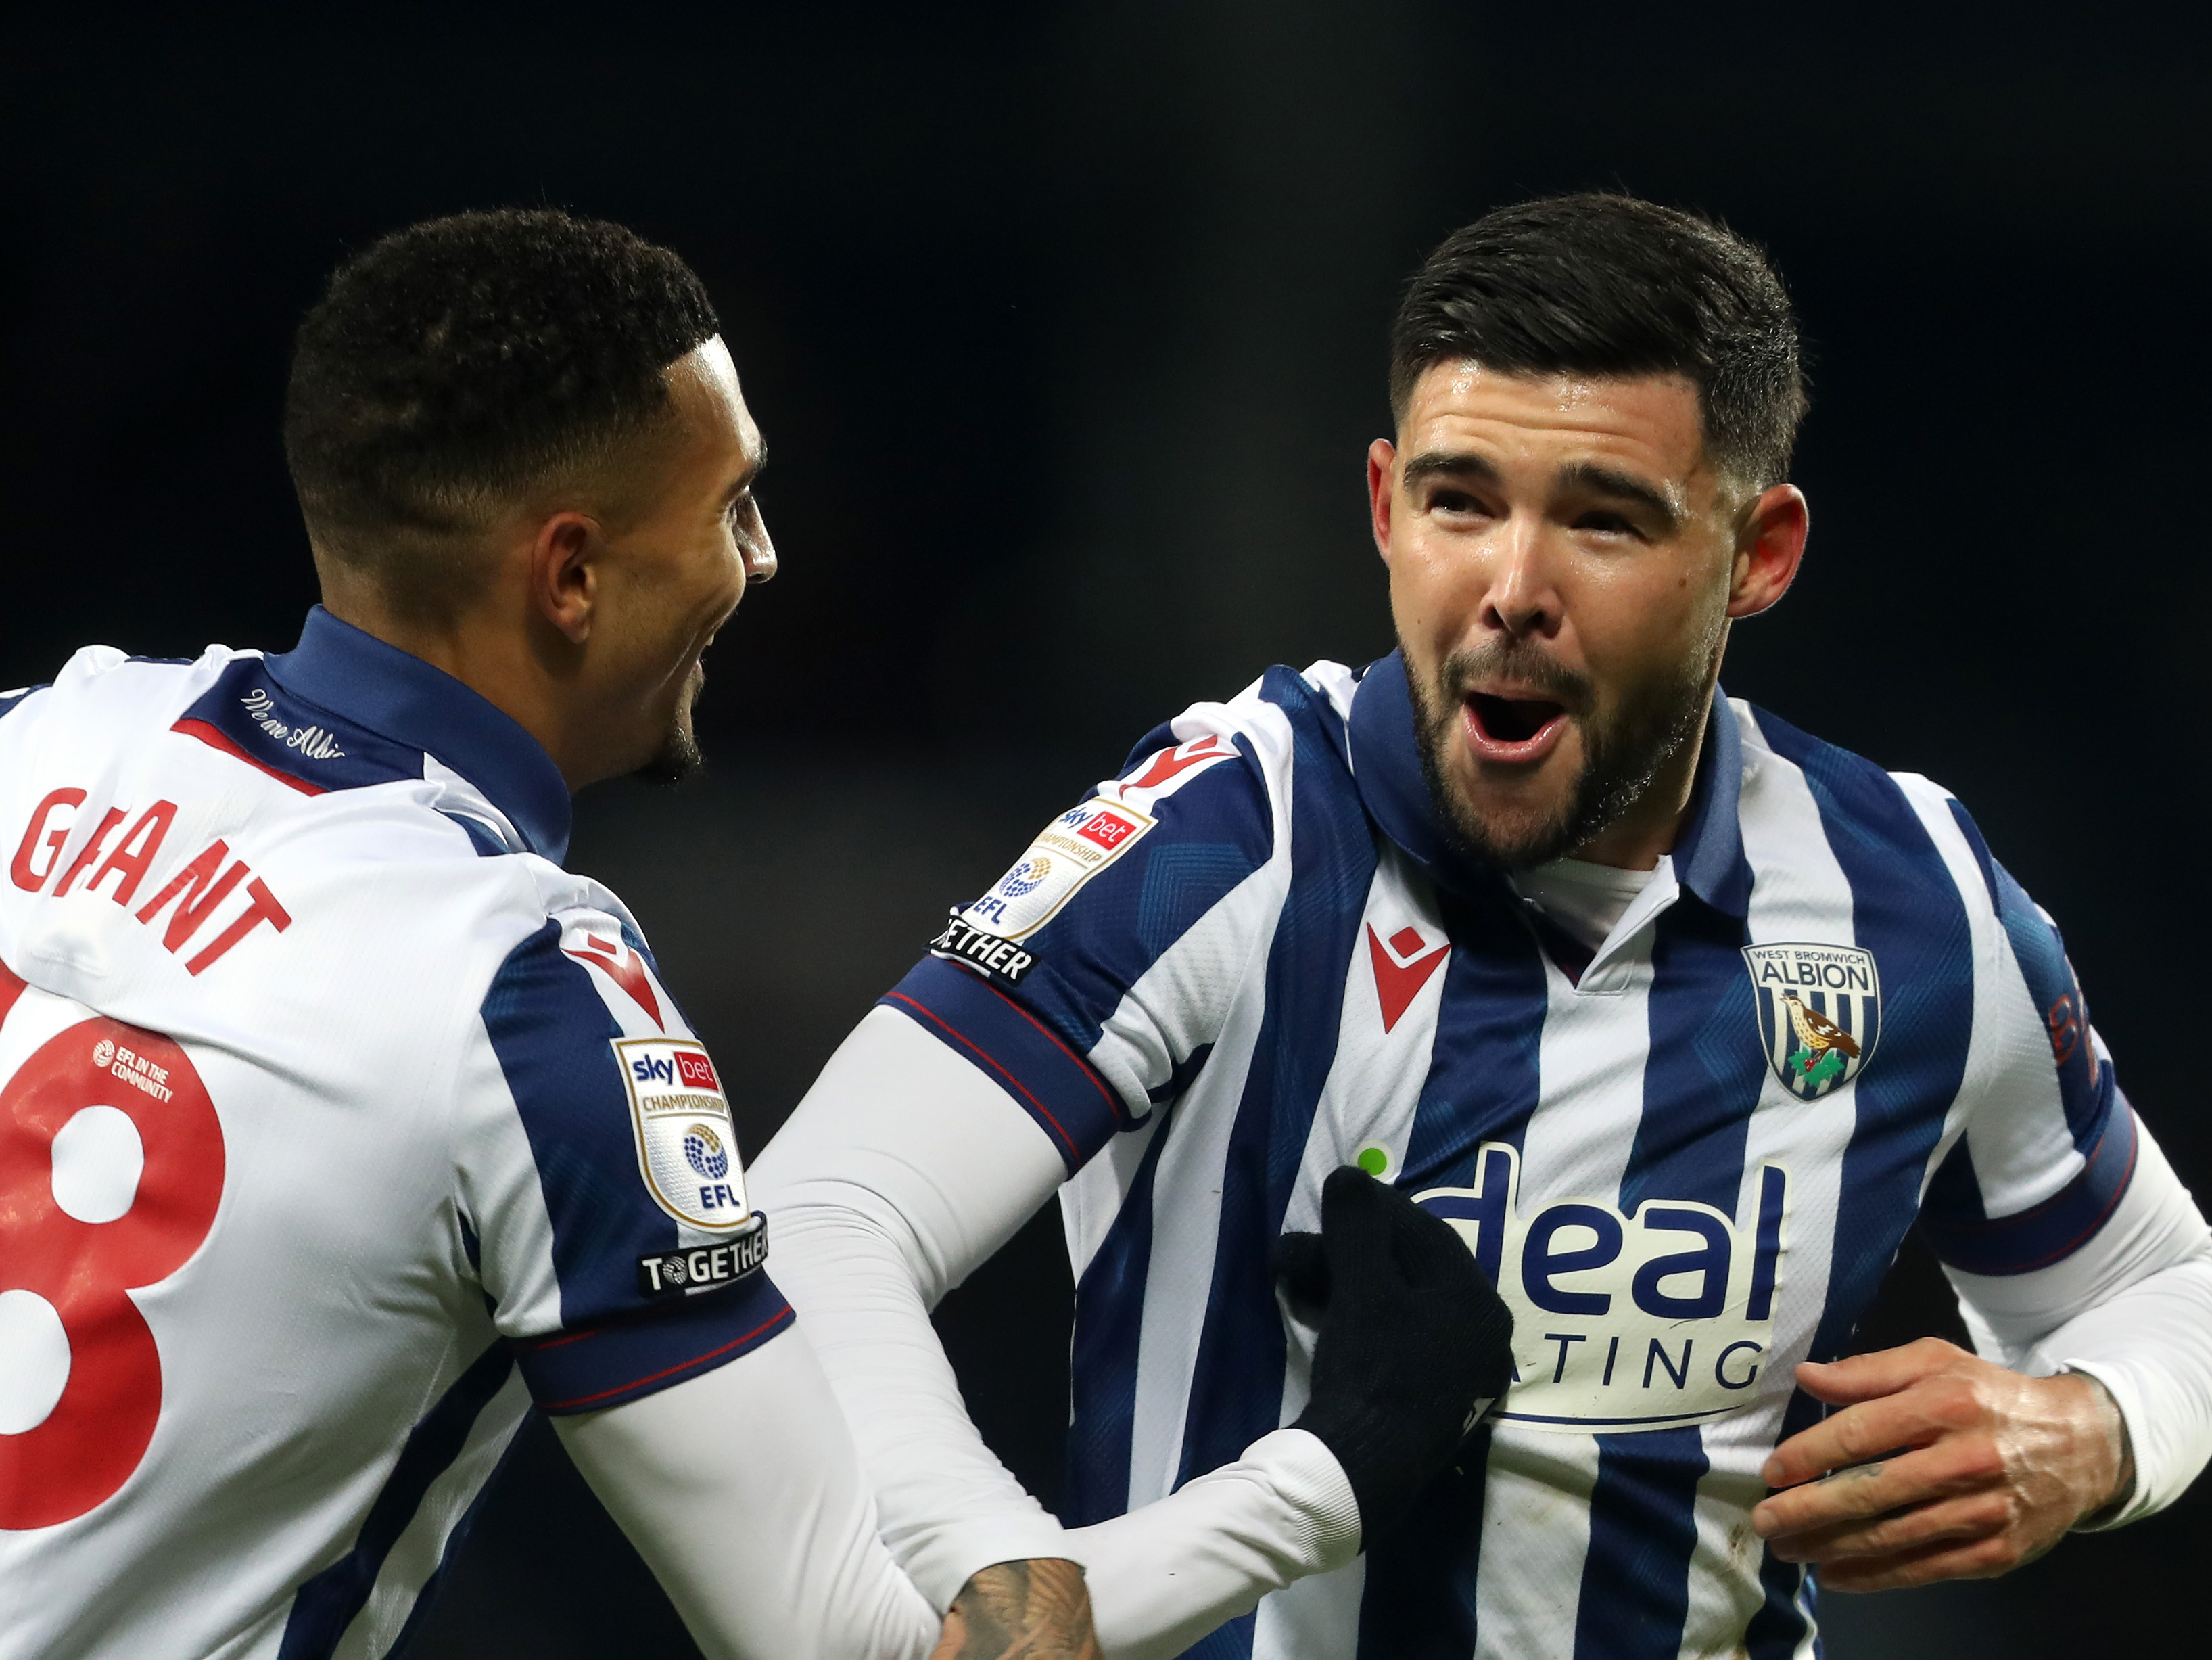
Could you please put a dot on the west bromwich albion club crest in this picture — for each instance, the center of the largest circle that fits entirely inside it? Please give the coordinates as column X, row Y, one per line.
column 1820, row 1012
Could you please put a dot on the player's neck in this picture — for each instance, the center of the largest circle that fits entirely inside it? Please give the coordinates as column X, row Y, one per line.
column 487, row 651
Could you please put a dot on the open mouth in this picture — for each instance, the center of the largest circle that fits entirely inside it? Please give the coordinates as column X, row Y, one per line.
column 1513, row 729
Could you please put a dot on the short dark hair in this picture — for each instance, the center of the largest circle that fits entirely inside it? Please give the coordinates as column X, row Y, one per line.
column 1609, row 285
column 453, row 366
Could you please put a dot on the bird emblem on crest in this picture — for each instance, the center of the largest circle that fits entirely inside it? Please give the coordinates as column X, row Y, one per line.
column 1820, row 1012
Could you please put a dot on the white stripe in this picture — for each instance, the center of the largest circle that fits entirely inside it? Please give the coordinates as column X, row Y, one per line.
column 1187, row 1181
column 1535, row 1536
column 1536, row 1503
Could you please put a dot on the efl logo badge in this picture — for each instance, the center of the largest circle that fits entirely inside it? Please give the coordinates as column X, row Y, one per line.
column 687, row 1149
column 1820, row 1012
column 1067, row 853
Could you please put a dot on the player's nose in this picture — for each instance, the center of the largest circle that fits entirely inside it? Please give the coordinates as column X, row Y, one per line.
column 1521, row 598
column 759, row 554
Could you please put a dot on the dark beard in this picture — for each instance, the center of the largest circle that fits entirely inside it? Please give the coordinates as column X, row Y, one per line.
column 678, row 760
column 1623, row 757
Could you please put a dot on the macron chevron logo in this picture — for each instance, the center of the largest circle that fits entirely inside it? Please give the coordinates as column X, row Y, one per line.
column 625, row 969
column 1402, row 967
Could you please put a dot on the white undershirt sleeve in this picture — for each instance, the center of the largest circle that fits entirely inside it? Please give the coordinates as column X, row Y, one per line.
column 740, row 1490
column 901, row 1173
column 2132, row 1308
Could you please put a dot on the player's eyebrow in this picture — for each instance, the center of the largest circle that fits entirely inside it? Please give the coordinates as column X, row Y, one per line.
column 1450, row 464
column 756, row 466
column 1600, row 480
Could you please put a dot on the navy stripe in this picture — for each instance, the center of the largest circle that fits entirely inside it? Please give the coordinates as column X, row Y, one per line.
column 1636, row 1578
column 327, row 1604
column 1075, row 1108
column 1977, row 847
column 2048, row 1232
column 488, row 845
column 427, row 1598
column 2085, row 1080
column 1483, row 1082
column 1778, row 1624
column 1707, row 1065
column 684, row 1338
column 1211, row 835
column 1232, row 1641
column 1954, row 1192
column 1709, row 857
column 554, row 1038
column 284, row 733
column 15, row 700
column 1237, row 1384
column 1110, row 1315
column 1907, row 911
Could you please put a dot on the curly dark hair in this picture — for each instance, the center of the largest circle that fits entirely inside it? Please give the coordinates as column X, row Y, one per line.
column 1610, row 285
column 451, row 366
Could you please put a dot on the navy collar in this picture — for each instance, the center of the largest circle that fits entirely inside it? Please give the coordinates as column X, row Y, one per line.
column 1386, row 762
column 399, row 696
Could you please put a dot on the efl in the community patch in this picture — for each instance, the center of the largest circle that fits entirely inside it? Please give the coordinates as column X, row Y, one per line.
column 1067, row 853
column 1820, row 1012
column 687, row 1149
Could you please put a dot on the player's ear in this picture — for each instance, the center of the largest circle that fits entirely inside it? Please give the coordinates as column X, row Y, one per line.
column 564, row 573
column 1381, row 462
column 1769, row 546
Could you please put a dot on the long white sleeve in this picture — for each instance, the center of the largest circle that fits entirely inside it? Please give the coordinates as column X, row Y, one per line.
column 740, row 1490
column 902, row 1171
column 2133, row 1308
column 1163, row 1577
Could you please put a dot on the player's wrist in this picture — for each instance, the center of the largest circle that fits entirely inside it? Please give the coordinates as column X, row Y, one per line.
column 1034, row 1610
column 2110, row 1448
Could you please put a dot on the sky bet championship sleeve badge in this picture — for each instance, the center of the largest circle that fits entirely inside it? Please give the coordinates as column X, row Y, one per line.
column 1820, row 1012
column 1067, row 853
column 687, row 1151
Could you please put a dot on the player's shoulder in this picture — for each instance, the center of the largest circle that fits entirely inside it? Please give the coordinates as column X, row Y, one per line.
column 1898, row 815
column 353, row 823
column 1284, row 719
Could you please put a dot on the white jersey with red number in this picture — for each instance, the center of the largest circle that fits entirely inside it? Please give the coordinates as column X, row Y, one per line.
column 337, row 1124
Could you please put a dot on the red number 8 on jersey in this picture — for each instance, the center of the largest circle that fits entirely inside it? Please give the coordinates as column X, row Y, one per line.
column 57, row 1464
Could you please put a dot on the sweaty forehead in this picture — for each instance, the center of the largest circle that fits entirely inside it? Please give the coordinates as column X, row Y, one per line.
column 1649, row 423
column 717, row 428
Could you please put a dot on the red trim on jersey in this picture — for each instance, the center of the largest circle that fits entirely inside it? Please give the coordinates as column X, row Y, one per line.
column 778, row 1318
column 986, row 1056
column 216, row 739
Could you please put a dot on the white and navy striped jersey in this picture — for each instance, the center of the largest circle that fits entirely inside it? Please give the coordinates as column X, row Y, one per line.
column 339, row 1124
column 1685, row 1157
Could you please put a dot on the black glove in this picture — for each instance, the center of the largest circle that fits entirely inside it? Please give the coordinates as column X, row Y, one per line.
column 1414, row 1343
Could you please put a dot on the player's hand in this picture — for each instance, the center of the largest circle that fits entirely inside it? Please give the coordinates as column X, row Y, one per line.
column 1035, row 1610
column 1942, row 1466
column 1414, row 1343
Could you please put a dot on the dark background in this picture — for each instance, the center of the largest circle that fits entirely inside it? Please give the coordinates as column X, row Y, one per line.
column 1066, row 323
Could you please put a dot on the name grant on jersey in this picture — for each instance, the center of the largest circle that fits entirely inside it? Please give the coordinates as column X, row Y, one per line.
column 197, row 889
column 1621, row 1321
